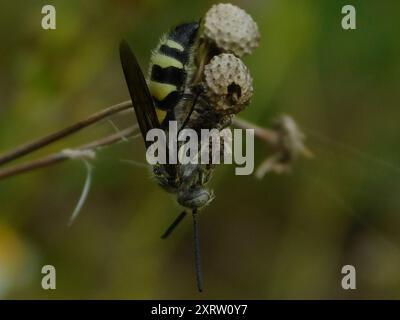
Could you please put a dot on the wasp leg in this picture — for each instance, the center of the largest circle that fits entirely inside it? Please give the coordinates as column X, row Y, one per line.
column 173, row 225
column 195, row 98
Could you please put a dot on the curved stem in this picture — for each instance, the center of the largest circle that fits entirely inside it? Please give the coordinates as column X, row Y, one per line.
column 62, row 156
column 44, row 141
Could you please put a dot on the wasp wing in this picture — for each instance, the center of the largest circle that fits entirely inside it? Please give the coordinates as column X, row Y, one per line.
column 140, row 95
column 139, row 92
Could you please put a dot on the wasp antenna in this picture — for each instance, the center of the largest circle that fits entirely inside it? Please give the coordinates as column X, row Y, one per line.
column 197, row 257
column 174, row 224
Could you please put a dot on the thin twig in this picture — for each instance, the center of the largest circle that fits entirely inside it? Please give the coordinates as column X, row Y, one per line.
column 268, row 135
column 271, row 137
column 62, row 156
column 44, row 141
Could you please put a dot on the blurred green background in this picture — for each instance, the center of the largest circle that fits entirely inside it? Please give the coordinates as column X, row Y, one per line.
column 286, row 236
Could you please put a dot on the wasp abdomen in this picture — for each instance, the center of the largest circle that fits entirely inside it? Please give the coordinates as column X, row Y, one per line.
column 169, row 67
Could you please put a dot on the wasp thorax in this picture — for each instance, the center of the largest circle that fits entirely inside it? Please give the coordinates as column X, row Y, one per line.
column 228, row 83
column 231, row 29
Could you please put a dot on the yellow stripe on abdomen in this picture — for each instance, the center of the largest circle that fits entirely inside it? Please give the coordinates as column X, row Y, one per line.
column 161, row 90
column 165, row 61
column 161, row 114
column 173, row 44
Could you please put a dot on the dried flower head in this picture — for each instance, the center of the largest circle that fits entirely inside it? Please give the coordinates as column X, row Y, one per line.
column 228, row 83
column 289, row 147
column 231, row 29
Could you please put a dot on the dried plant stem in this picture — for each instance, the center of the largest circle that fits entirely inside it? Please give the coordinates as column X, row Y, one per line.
column 62, row 156
column 44, row 141
column 267, row 135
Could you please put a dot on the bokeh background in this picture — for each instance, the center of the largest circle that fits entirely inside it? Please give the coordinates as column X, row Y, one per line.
column 286, row 236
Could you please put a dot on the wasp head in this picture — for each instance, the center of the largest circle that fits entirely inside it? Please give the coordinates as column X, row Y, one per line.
column 195, row 198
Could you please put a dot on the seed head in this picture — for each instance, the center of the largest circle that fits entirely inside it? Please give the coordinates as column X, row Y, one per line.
column 231, row 29
column 228, row 83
